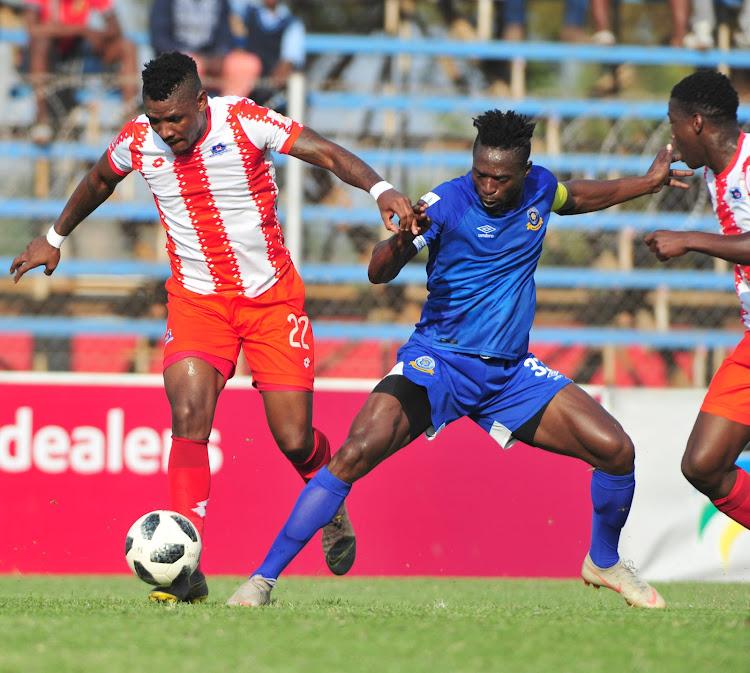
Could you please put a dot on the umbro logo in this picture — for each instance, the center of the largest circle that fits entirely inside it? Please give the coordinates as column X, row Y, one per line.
column 487, row 231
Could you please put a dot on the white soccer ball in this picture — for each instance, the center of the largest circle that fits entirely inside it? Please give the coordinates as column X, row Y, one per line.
column 163, row 547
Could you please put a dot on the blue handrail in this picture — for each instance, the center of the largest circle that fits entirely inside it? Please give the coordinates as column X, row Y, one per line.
column 588, row 163
column 414, row 274
column 528, row 50
column 534, row 107
column 62, row 327
column 602, row 221
column 324, row 43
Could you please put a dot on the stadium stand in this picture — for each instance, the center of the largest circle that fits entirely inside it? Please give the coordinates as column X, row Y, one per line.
column 357, row 327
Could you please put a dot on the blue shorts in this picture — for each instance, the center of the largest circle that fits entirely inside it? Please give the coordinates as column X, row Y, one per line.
column 498, row 395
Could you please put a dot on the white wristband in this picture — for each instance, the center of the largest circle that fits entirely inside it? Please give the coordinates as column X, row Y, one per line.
column 379, row 187
column 55, row 239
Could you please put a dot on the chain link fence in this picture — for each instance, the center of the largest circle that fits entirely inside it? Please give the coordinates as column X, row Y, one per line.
column 415, row 148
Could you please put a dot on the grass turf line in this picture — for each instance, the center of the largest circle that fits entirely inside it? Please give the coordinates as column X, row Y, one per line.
column 383, row 625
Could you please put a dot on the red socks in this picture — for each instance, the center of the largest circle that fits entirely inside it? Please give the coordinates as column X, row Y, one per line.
column 319, row 457
column 737, row 504
column 189, row 478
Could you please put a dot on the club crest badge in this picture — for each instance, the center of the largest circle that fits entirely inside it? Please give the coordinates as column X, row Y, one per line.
column 424, row 363
column 219, row 148
column 535, row 219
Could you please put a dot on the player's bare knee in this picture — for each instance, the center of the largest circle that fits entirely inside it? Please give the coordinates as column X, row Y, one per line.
column 615, row 453
column 296, row 442
column 353, row 460
column 700, row 469
column 191, row 420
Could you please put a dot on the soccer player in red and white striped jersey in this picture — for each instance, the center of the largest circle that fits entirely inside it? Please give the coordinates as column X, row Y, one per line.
column 233, row 284
column 706, row 132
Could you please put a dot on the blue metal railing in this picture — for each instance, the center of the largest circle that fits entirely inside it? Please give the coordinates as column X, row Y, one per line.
column 600, row 221
column 414, row 274
column 551, row 52
column 62, row 327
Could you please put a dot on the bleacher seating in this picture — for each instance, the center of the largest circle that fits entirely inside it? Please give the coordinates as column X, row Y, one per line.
column 366, row 348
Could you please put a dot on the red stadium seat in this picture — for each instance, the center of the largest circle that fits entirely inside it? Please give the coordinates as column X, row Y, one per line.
column 102, row 353
column 636, row 366
column 354, row 359
column 684, row 363
column 16, row 352
column 565, row 359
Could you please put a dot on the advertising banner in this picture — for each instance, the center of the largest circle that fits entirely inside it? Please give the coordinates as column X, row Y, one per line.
column 673, row 531
column 82, row 457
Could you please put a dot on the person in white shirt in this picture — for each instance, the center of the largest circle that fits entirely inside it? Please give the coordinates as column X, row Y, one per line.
column 233, row 284
column 705, row 130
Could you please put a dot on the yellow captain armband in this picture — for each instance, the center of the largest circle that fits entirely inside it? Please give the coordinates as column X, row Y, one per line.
column 561, row 196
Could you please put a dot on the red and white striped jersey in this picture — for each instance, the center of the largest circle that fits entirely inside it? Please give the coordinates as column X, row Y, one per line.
column 730, row 196
column 217, row 203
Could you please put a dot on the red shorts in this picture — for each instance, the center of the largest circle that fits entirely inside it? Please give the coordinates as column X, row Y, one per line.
column 729, row 392
column 272, row 329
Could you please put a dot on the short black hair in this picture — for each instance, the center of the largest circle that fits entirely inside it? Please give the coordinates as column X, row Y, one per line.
column 505, row 130
column 167, row 73
column 709, row 93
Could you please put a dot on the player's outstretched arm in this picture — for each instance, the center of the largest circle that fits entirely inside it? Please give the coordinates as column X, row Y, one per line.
column 585, row 196
column 391, row 255
column 319, row 151
column 668, row 244
column 95, row 187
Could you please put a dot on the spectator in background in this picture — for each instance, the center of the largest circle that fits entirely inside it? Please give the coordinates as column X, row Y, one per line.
column 63, row 30
column 605, row 34
column 202, row 29
column 703, row 23
column 275, row 39
column 574, row 18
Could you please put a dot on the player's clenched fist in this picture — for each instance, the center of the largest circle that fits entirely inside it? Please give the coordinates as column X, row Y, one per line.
column 667, row 244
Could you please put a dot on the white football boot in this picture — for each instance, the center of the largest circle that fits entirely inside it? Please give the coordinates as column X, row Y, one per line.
column 622, row 578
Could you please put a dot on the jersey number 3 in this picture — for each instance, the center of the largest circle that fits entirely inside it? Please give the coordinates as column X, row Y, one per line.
column 299, row 331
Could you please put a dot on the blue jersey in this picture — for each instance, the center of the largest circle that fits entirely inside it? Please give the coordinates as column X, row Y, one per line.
column 480, row 271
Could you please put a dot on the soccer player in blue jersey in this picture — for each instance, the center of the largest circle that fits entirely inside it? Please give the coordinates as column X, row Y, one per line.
column 468, row 355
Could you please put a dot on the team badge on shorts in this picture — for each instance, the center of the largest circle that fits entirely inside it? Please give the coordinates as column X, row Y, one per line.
column 168, row 337
column 535, row 219
column 424, row 363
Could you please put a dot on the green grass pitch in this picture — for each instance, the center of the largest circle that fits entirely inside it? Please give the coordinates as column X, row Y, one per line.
column 330, row 625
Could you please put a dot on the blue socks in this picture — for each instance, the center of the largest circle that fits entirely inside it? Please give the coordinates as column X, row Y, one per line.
column 611, row 496
column 315, row 507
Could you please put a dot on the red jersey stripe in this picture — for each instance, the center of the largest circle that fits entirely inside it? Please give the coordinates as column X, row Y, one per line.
column 206, row 219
